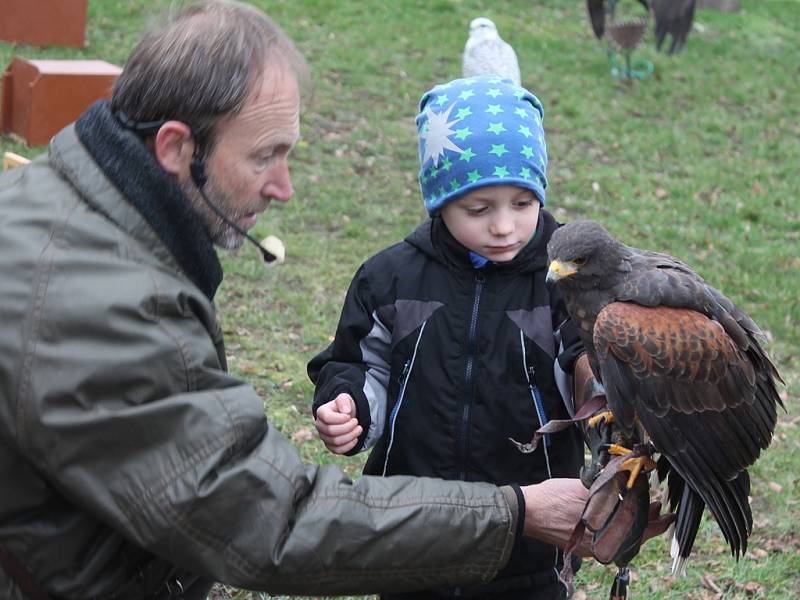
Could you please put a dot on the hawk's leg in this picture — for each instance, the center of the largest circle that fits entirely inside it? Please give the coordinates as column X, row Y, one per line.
column 634, row 465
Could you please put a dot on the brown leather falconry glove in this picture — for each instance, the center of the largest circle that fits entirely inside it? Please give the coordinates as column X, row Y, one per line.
column 618, row 510
column 618, row 513
column 590, row 398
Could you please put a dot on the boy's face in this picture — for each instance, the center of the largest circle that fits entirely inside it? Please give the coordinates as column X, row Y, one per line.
column 494, row 221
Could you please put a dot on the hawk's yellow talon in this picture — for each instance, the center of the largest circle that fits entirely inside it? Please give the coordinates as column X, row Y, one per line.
column 618, row 450
column 635, row 466
column 606, row 414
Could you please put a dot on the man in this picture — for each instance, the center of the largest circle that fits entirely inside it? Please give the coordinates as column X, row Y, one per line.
column 133, row 464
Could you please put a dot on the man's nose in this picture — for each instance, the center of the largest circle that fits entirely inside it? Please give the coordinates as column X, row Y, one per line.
column 279, row 182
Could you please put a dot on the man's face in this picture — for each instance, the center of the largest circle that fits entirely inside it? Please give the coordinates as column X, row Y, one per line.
column 495, row 221
column 248, row 166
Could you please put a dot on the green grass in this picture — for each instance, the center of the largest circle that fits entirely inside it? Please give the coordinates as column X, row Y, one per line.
column 700, row 160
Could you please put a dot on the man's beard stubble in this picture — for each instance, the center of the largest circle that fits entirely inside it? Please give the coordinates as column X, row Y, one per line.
column 221, row 234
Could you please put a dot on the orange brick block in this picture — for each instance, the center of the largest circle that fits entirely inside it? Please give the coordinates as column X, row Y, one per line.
column 43, row 22
column 42, row 96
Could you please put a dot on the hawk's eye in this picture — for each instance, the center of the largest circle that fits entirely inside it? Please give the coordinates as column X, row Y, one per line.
column 579, row 262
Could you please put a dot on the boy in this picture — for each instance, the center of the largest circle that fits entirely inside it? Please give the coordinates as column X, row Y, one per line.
column 449, row 342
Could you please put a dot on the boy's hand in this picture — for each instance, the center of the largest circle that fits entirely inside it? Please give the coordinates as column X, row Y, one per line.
column 336, row 424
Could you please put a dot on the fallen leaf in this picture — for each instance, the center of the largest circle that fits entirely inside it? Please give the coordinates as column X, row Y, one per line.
column 752, row 588
column 303, row 434
column 775, row 487
column 661, row 193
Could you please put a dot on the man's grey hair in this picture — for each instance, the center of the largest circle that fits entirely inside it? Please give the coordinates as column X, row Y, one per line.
column 201, row 66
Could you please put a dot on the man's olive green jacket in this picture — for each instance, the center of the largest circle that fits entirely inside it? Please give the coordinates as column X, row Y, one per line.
column 128, row 453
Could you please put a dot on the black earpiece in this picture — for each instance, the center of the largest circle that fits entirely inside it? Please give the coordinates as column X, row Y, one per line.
column 197, row 170
column 139, row 127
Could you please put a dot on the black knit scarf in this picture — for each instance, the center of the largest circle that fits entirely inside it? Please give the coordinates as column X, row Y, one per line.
column 133, row 169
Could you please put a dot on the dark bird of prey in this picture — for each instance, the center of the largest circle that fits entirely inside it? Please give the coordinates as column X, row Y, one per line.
column 672, row 17
column 679, row 360
column 485, row 53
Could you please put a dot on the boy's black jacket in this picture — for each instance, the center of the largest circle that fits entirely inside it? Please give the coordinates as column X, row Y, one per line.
column 447, row 362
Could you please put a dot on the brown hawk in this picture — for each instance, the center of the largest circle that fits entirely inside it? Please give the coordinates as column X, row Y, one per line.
column 679, row 359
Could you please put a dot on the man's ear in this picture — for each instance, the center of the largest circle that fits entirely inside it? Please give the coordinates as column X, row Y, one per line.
column 174, row 146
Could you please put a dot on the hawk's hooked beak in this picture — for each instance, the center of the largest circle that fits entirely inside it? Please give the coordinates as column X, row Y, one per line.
column 558, row 270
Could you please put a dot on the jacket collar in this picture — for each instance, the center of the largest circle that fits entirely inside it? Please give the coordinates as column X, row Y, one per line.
column 435, row 240
column 124, row 175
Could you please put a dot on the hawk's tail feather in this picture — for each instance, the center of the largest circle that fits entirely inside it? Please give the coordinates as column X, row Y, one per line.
column 731, row 510
column 690, row 510
column 726, row 499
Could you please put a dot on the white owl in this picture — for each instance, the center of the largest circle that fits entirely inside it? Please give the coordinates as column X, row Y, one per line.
column 487, row 54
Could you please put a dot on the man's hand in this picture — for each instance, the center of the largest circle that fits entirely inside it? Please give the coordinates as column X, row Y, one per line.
column 336, row 424
column 554, row 507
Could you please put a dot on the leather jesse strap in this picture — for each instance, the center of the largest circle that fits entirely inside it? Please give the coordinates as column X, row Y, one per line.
column 20, row 575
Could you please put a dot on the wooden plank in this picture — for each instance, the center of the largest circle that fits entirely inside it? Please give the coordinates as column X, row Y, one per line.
column 13, row 160
column 44, row 22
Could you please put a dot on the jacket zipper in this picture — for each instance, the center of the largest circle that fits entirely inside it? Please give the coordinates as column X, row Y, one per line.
column 473, row 327
column 404, row 375
column 468, row 374
column 537, row 401
column 530, row 376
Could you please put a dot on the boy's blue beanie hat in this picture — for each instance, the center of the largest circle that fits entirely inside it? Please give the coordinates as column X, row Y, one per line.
column 477, row 132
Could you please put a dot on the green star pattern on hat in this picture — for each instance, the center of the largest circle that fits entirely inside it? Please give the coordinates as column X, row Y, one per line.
column 476, row 132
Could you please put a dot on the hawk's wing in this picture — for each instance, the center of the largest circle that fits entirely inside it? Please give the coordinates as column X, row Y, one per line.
column 597, row 16
column 708, row 405
column 673, row 17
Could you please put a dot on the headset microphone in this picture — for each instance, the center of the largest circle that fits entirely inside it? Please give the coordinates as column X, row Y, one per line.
column 276, row 251
column 271, row 248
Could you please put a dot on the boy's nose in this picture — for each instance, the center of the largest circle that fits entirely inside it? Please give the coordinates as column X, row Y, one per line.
column 502, row 224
